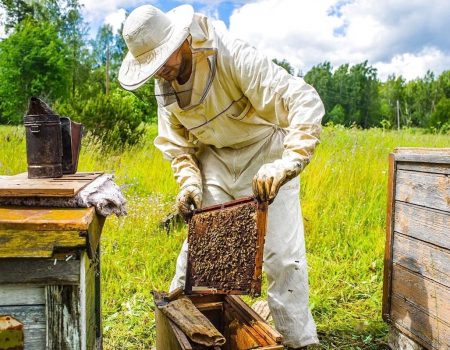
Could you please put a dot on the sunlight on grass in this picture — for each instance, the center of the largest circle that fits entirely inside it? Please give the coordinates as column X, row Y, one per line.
column 344, row 207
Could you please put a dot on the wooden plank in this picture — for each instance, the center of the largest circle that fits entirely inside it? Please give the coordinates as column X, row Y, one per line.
column 387, row 277
column 165, row 337
column 423, row 155
column 40, row 271
column 38, row 244
column 399, row 341
column 254, row 318
column 423, row 258
column 425, row 167
column 425, row 294
column 14, row 294
column 66, row 186
column 34, row 321
column 42, row 219
column 428, row 190
column 428, row 225
column 63, row 317
column 424, row 328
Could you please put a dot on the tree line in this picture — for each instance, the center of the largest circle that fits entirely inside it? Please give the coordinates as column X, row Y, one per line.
column 47, row 53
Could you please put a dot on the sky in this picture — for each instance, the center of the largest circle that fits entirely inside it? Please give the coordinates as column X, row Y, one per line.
column 401, row 37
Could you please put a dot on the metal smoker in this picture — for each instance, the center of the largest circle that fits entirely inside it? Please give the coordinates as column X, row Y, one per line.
column 53, row 143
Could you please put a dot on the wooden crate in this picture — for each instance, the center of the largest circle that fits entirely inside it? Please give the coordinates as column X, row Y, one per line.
column 242, row 327
column 50, row 276
column 416, row 291
column 226, row 244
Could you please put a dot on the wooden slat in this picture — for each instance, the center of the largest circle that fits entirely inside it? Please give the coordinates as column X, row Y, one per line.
column 424, row 155
column 428, row 225
column 423, row 258
column 387, row 278
column 165, row 336
column 425, row 167
column 428, row 190
column 254, row 317
column 422, row 292
column 14, row 294
column 424, row 328
column 38, row 244
column 66, row 186
column 40, row 271
column 20, row 218
column 63, row 311
column 33, row 319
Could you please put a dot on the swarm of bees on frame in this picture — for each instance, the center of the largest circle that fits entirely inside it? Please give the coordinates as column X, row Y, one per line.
column 222, row 248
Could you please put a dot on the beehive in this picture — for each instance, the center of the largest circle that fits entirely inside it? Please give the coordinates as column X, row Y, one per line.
column 416, row 292
column 226, row 247
column 49, row 269
column 242, row 327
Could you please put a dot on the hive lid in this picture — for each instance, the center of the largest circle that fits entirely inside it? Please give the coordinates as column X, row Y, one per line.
column 67, row 186
column 226, row 244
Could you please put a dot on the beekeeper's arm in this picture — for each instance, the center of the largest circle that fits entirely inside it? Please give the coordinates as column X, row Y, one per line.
column 285, row 101
column 174, row 142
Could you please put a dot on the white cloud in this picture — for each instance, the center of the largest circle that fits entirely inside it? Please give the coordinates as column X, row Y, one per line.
column 98, row 12
column 116, row 19
column 402, row 37
column 412, row 66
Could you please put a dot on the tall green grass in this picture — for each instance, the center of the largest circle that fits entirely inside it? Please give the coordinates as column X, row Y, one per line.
column 343, row 195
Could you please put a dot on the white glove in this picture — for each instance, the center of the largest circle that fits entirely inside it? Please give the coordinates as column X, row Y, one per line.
column 271, row 176
column 188, row 199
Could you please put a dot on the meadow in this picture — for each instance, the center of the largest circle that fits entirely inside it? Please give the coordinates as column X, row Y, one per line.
column 343, row 196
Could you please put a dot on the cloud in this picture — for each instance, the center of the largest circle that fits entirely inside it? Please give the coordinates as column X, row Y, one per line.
column 116, row 19
column 98, row 12
column 403, row 36
column 412, row 66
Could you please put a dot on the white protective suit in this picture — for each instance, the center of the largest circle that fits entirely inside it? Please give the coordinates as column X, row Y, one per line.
column 246, row 111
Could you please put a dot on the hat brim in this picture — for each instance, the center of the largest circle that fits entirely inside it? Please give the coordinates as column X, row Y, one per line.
column 134, row 73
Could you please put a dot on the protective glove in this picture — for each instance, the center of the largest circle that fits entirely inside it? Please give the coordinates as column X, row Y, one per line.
column 188, row 199
column 271, row 176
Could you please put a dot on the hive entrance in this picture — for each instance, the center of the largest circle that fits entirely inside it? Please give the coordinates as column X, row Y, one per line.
column 226, row 246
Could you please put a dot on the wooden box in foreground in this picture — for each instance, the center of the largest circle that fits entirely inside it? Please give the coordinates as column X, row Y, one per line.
column 50, row 278
column 416, row 292
column 242, row 327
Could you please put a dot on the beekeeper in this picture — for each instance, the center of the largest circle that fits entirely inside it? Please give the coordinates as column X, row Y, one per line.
column 231, row 122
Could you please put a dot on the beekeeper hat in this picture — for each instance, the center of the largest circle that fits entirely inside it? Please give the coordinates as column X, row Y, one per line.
column 151, row 37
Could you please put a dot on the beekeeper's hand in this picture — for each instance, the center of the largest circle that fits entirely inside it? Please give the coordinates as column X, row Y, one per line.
column 271, row 176
column 188, row 199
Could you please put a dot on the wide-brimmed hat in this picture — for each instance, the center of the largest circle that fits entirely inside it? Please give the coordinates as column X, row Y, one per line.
column 151, row 37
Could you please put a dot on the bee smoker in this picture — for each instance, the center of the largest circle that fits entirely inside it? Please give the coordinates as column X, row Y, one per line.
column 53, row 143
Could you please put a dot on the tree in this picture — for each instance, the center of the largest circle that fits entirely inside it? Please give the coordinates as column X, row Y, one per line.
column 33, row 62
column 321, row 78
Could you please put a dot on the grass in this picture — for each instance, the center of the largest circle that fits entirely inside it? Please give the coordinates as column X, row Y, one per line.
column 343, row 196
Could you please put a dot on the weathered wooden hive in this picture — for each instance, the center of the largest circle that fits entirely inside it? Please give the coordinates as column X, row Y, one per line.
column 49, row 269
column 416, row 292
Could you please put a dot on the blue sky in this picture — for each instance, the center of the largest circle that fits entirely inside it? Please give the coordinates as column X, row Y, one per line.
column 401, row 37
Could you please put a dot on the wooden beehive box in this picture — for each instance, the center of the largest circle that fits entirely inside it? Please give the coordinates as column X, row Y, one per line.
column 416, row 291
column 49, row 269
column 226, row 245
column 242, row 327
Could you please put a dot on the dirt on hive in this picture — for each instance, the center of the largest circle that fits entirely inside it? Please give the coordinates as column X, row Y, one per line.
column 222, row 248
